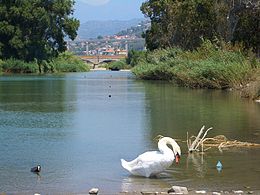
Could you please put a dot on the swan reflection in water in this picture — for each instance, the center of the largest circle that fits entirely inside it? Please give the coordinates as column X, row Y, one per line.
column 133, row 183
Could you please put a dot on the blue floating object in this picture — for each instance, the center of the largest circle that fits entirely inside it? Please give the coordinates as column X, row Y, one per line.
column 219, row 166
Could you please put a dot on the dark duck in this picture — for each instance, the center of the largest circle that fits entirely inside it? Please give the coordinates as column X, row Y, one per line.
column 36, row 169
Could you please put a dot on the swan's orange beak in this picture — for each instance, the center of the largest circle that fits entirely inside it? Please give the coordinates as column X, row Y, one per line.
column 177, row 158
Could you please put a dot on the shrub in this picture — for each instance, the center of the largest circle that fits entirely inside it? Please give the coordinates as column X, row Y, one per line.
column 150, row 71
column 66, row 62
column 121, row 64
column 210, row 66
column 162, row 55
column 19, row 66
column 135, row 57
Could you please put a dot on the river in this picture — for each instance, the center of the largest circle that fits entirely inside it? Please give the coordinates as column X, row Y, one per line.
column 78, row 126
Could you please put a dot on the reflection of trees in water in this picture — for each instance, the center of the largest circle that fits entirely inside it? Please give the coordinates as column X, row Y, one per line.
column 33, row 94
column 174, row 111
column 36, row 102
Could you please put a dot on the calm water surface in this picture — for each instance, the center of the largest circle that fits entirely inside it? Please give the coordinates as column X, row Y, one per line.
column 71, row 126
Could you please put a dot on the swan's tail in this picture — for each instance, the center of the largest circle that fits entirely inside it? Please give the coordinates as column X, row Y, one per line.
column 125, row 164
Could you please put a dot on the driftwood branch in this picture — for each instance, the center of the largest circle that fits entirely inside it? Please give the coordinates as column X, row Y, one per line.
column 194, row 143
column 203, row 137
column 198, row 140
column 220, row 142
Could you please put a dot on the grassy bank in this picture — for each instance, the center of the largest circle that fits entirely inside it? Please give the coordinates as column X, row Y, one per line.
column 118, row 65
column 65, row 62
column 216, row 66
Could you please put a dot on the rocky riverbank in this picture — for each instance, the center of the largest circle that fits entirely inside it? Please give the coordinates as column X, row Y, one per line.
column 235, row 192
column 182, row 190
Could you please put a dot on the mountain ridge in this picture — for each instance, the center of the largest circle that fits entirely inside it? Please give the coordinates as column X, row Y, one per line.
column 95, row 28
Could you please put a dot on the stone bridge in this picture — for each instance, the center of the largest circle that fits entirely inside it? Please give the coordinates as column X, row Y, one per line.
column 98, row 59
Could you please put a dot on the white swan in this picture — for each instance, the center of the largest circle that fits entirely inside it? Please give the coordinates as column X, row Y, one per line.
column 153, row 162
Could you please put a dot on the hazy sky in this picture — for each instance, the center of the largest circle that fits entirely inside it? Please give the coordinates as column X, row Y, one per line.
column 107, row 9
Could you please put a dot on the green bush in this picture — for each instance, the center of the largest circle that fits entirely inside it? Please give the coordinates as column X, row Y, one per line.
column 66, row 62
column 210, row 66
column 213, row 67
column 135, row 57
column 150, row 71
column 118, row 65
column 162, row 55
column 19, row 66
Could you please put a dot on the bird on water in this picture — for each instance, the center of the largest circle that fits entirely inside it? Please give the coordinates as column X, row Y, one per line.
column 36, row 169
column 152, row 163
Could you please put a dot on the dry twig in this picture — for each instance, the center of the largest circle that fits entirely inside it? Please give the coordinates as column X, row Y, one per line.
column 219, row 141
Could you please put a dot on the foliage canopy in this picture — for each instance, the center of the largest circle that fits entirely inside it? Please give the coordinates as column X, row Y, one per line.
column 184, row 23
column 35, row 29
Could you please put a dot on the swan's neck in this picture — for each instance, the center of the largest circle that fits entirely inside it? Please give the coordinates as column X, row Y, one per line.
column 162, row 146
column 165, row 150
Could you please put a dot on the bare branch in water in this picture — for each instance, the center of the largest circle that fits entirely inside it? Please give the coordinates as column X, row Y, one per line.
column 219, row 142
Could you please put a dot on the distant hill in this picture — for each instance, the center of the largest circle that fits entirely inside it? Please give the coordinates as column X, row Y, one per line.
column 92, row 29
column 136, row 30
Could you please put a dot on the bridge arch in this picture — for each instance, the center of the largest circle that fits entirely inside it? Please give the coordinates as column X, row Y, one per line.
column 102, row 58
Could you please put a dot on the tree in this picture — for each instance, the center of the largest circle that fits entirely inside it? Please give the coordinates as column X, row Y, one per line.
column 35, row 29
column 184, row 23
column 160, row 13
column 99, row 37
column 180, row 23
column 247, row 29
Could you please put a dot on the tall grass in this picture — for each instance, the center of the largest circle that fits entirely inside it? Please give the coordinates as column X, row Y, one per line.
column 210, row 66
column 149, row 71
column 19, row 66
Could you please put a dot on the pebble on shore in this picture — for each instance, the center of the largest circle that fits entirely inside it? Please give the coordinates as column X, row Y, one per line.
column 93, row 191
column 178, row 190
column 238, row 191
column 200, row 192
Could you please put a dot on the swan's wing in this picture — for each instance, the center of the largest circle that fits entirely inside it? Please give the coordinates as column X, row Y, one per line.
column 150, row 163
column 146, row 157
column 151, row 156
